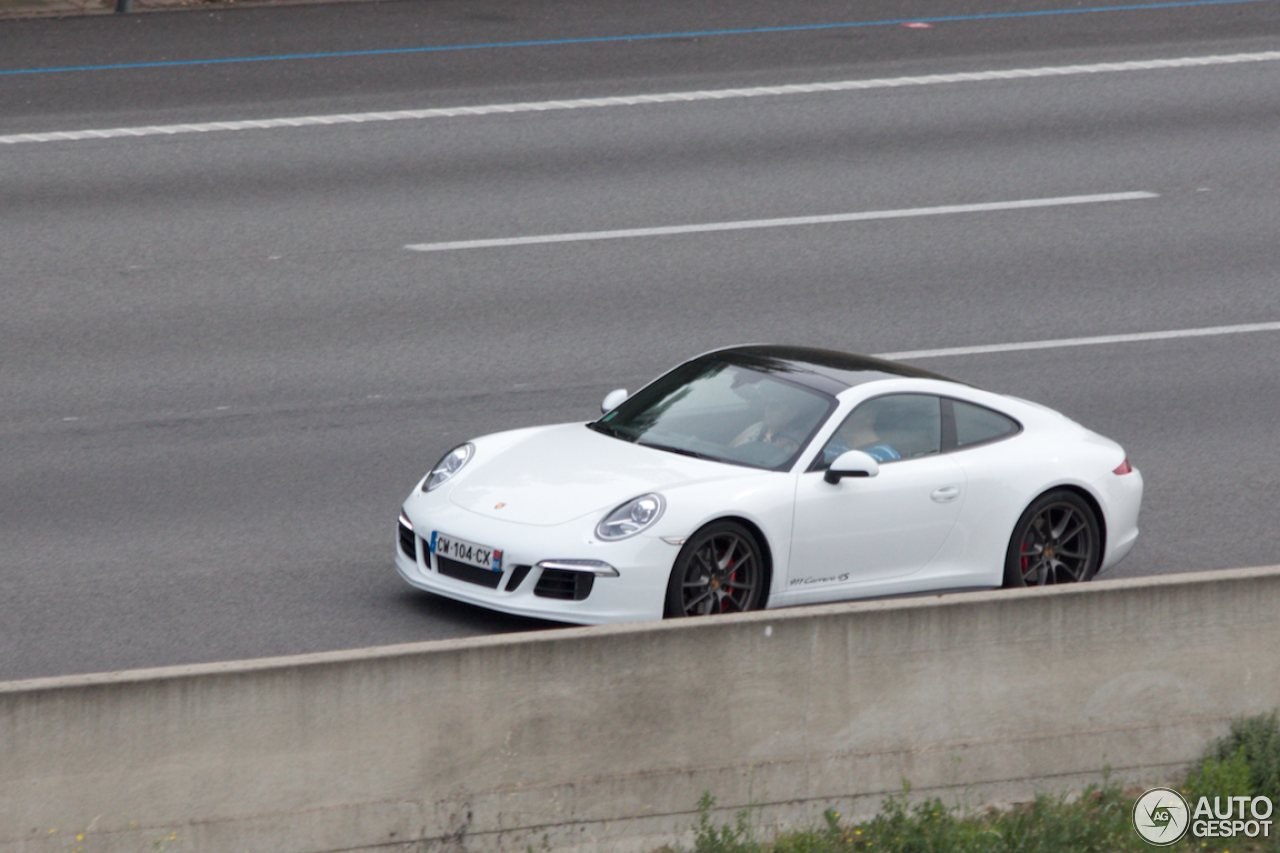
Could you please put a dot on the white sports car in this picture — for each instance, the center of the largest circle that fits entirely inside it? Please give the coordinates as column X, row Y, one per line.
column 769, row 476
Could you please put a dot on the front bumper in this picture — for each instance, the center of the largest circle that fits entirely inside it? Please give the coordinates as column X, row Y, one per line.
column 523, row 588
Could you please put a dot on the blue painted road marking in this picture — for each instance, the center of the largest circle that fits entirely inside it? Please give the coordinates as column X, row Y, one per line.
column 1137, row 7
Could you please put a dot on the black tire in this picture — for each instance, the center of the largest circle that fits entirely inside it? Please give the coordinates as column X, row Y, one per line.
column 719, row 570
column 1057, row 540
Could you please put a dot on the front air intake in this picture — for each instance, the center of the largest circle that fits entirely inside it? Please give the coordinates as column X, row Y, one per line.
column 566, row 586
column 407, row 544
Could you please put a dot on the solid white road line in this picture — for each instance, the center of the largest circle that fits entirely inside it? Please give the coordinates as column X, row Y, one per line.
column 663, row 98
column 786, row 222
column 1059, row 343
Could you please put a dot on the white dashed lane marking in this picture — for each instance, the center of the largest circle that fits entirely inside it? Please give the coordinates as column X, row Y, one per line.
column 785, row 222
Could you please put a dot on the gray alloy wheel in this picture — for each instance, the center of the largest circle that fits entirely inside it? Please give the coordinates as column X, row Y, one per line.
column 1055, row 541
column 719, row 570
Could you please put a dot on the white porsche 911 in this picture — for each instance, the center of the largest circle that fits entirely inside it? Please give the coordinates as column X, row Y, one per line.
column 769, row 476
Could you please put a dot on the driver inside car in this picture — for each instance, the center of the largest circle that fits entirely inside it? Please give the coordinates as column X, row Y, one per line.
column 859, row 432
column 774, row 429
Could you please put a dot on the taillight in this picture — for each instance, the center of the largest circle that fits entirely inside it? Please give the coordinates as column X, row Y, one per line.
column 1124, row 468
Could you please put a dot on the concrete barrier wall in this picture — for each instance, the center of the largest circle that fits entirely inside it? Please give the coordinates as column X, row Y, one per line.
column 604, row 738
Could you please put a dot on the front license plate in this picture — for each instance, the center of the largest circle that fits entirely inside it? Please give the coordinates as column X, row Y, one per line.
column 480, row 556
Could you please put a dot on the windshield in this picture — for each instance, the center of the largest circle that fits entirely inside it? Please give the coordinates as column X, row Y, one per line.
column 729, row 413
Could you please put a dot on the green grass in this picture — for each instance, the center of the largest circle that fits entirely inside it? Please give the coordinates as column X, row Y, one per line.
column 1246, row 762
column 1251, row 751
column 1097, row 821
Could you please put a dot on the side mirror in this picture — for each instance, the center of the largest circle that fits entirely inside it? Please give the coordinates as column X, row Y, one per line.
column 613, row 400
column 851, row 463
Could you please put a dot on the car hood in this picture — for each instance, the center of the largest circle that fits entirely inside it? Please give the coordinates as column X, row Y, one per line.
column 564, row 472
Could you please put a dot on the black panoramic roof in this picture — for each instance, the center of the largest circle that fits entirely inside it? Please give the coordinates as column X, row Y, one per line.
column 822, row 369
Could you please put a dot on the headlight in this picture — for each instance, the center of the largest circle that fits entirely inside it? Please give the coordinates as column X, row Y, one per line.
column 630, row 518
column 449, row 465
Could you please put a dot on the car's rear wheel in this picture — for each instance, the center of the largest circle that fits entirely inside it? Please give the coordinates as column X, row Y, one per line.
column 719, row 570
column 1055, row 541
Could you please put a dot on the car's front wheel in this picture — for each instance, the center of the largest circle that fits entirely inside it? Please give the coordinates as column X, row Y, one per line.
column 719, row 570
column 1055, row 541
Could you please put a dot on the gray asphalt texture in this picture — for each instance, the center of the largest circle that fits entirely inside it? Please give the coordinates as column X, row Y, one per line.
column 220, row 372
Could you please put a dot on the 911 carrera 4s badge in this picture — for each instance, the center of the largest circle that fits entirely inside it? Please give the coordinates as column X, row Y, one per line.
column 833, row 579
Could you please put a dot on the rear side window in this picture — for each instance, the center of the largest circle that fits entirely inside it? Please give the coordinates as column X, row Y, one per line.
column 976, row 424
column 897, row 426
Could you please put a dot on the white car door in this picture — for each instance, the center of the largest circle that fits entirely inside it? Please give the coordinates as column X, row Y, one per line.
column 859, row 533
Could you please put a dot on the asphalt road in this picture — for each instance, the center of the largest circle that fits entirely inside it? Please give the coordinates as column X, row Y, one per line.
column 221, row 370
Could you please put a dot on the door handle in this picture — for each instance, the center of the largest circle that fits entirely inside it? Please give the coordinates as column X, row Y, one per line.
column 946, row 494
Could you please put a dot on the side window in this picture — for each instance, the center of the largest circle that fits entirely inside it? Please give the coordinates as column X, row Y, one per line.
column 898, row 426
column 977, row 424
